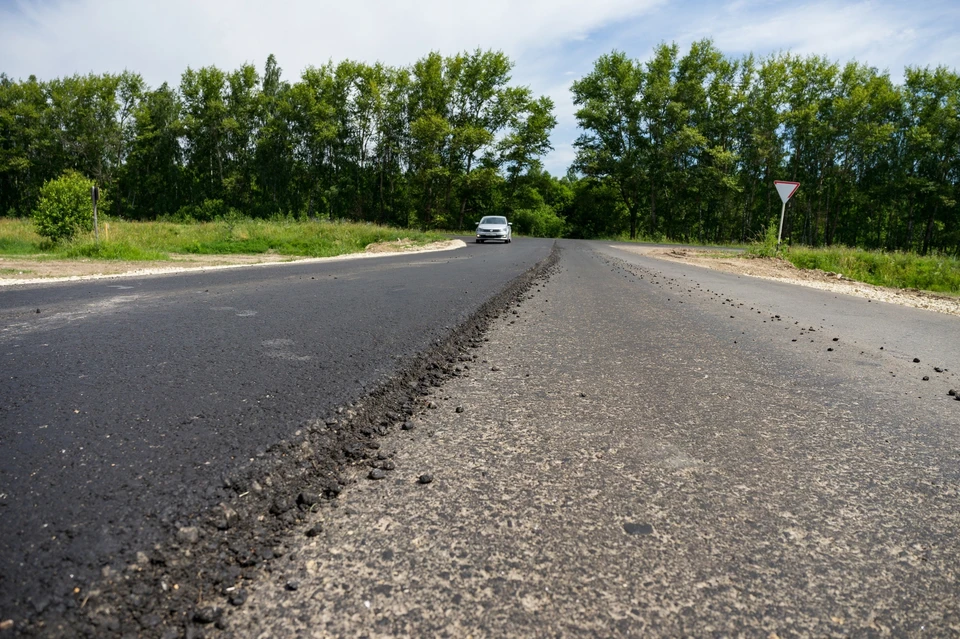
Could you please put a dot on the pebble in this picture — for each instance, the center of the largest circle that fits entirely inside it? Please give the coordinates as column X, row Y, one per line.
column 388, row 464
column 432, row 405
column 459, row 409
column 238, row 597
column 307, row 498
column 916, row 360
column 494, row 368
column 937, row 369
column 377, row 473
column 280, row 506
column 207, row 614
column 638, row 529
column 952, row 393
column 408, row 425
column 188, row 535
column 227, row 517
column 926, row 378
column 291, row 586
column 425, row 478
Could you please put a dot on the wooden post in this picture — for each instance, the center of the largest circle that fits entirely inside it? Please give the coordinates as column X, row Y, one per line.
column 95, row 195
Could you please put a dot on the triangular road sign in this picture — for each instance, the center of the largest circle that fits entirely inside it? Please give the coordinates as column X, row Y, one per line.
column 786, row 189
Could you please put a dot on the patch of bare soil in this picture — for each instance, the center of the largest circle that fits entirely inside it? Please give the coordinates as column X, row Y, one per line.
column 27, row 270
column 407, row 246
column 780, row 270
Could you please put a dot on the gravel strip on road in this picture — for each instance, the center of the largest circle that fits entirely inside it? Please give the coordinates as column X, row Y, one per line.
column 610, row 465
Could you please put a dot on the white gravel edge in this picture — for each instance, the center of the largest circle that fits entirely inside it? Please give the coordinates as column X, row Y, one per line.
column 913, row 299
column 448, row 246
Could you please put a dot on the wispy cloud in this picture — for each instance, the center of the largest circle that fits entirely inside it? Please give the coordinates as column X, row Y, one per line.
column 887, row 35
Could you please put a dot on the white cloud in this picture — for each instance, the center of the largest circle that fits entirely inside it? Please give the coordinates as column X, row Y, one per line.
column 160, row 39
column 886, row 35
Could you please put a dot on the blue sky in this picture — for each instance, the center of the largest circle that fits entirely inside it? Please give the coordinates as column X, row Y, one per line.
column 552, row 42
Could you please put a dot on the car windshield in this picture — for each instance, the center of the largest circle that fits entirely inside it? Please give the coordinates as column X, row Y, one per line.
column 494, row 220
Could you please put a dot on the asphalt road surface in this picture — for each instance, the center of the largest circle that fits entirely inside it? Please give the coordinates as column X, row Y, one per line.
column 645, row 448
column 125, row 402
column 639, row 448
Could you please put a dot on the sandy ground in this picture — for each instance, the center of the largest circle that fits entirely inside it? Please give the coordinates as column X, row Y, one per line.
column 25, row 270
column 781, row 270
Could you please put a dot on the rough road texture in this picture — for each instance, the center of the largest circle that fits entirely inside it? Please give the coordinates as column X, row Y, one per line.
column 160, row 434
column 634, row 454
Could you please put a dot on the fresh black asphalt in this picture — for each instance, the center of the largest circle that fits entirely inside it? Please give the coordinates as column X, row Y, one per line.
column 124, row 402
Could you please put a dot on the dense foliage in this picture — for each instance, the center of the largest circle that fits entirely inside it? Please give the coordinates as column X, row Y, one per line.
column 64, row 207
column 682, row 147
column 436, row 144
column 691, row 146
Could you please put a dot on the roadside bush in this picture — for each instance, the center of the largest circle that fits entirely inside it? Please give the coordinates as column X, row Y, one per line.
column 206, row 211
column 541, row 221
column 766, row 246
column 64, row 207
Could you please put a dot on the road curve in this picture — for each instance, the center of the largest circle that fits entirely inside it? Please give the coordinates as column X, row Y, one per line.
column 645, row 448
column 125, row 403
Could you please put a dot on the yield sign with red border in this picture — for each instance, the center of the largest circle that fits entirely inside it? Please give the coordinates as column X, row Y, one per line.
column 786, row 189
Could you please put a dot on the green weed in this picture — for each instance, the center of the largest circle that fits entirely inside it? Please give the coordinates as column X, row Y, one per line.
column 898, row 270
column 122, row 240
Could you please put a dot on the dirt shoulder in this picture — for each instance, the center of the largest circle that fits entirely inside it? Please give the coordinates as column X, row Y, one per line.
column 27, row 270
column 780, row 270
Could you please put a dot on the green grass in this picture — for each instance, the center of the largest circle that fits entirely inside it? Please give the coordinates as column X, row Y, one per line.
column 138, row 241
column 898, row 270
column 661, row 239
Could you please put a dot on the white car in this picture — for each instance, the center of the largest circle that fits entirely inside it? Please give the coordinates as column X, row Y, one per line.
column 494, row 227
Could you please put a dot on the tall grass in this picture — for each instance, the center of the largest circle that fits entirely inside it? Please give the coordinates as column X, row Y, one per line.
column 899, row 270
column 123, row 240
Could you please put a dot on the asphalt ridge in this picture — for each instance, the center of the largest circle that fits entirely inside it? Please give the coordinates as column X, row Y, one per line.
column 614, row 463
column 181, row 585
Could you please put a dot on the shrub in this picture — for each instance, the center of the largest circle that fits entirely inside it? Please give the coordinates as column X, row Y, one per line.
column 541, row 221
column 766, row 246
column 64, row 207
column 206, row 211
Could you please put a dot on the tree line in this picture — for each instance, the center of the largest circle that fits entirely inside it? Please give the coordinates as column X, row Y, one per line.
column 690, row 146
column 434, row 144
column 676, row 146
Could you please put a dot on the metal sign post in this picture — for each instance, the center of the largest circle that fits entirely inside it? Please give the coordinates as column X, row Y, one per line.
column 786, row 191
column 95, row 196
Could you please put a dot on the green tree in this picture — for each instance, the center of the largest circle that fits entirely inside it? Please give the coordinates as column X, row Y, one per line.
column 151, row 184
column 614, row 145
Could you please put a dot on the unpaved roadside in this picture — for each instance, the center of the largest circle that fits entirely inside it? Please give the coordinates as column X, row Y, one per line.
column 780, row 270
column 27, row 270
